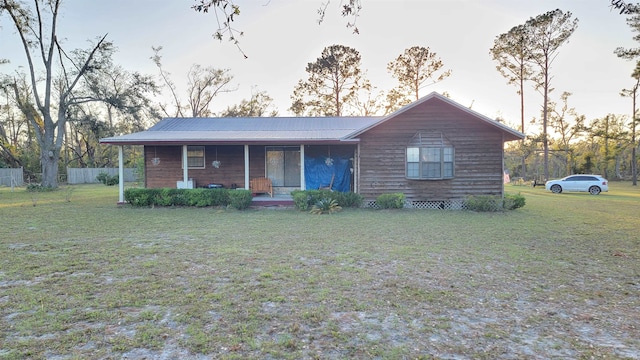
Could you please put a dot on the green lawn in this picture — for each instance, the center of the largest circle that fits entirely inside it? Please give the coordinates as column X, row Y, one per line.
column 81, row 277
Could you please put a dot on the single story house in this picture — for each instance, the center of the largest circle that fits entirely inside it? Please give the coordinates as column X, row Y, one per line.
column 433, row 150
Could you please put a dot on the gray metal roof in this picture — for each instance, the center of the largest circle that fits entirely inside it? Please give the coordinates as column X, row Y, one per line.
column 246, row 130
column 264, row 130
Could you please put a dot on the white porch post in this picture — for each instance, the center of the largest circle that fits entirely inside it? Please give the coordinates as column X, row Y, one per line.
column 246, row 167
column 185, row 165
column 120, row 175
column 303, row 182
column 356, row 170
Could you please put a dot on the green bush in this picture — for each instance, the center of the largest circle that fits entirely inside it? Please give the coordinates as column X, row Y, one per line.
column 512, row 202
column 483, row 203
column 219, row 197
column 107, row 179
column 198, row 197
column 38, row 188
column 349, row 199
column 300, row 199
column 488, row 203
column 305, row 199
column 164, row 197
column 240, row 199
column 138, row 197
column 390, row 201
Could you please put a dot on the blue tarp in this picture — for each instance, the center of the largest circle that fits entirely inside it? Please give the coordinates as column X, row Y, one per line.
column 320, row 168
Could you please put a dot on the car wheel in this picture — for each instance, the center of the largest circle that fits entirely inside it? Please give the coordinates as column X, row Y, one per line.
column 594, row 190
column 556, row 189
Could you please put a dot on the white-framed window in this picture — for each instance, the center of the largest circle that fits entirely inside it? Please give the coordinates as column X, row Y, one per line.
column 430, row 156
column 195, row 157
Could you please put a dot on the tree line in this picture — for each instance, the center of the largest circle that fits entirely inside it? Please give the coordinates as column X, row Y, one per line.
column 568, row 143
column 53, row 115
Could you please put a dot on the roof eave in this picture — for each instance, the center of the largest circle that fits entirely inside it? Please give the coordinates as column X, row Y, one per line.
column 229, row 142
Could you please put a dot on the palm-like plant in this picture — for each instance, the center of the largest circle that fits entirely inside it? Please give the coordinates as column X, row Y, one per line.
column 325, row 205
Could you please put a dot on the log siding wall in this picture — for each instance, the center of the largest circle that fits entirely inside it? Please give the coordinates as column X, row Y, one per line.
column 478, row 155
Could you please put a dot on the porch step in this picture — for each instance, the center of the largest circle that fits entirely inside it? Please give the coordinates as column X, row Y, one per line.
column 277, row 200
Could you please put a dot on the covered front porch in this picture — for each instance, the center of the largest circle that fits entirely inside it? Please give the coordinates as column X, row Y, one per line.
column 232, row 166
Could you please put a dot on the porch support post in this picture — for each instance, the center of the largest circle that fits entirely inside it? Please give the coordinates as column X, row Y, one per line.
column 185, row 166
column 502, row 157
column 356, row 170
column 120, row 175
column 246, row 167
column 303, row 182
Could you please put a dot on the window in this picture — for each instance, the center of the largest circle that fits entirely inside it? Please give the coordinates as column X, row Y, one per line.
column 430, row 156
column 195, row 157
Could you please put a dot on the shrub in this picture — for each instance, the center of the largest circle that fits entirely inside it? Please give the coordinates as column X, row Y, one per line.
column 38, row 188
column 137, row 197
column 240, row 199
column 164, row 197
column 198, row 197
column 487, row 203
column 300, row 199
column 107, row 179
column 349, row 199
column 219, row 197
column 483, row 203
column 390, row 201
column 305, row 199
column 512, row 202
column 325, row 205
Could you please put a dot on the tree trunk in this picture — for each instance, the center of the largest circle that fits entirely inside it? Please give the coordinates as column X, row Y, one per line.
column 634, row 170
column 544, row 131
column 49, row 162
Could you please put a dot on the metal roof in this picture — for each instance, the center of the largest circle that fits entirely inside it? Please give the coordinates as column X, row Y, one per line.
column 246, row 130
column 281, row 130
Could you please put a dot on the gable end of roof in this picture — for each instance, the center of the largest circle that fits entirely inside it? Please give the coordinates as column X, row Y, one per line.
column 434, row 95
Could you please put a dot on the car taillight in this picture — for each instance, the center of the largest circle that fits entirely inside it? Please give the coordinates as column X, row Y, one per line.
column 604, row 183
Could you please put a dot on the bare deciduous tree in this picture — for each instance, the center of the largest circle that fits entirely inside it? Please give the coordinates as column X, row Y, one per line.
column 54, row 75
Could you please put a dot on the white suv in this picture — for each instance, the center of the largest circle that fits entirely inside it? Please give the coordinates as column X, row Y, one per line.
column 593, row 184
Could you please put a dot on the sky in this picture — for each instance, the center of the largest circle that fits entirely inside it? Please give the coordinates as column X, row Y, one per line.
column 282, row 36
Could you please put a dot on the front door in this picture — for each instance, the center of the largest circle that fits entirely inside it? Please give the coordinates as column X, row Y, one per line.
column 283, row 165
